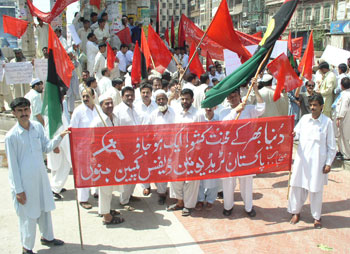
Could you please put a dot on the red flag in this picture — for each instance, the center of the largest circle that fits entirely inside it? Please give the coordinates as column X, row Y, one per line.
column 258, row 34
column 229, row 39
column 110, row 57
column 47, row 17
column 306, row 63
column 64, row 66
column 160, row 53
column 124, row 36
column 97, row 3
column 157, row 20
column 286, row 77
column 16, row 27
column 145, row 49
column 209, row 61
column 196, row 65
column 172, row 33
column 167, row 36
column 136, row 66
column 297, row 46
column 181, row 33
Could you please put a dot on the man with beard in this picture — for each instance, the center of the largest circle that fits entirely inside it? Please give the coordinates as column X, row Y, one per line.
column 84, row 76
column 314, row 157
column 186, row 192
column 82, row 117
column 34, row 96
column 104, row 202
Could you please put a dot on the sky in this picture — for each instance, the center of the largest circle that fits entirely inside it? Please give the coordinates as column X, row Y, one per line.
column 44, row 5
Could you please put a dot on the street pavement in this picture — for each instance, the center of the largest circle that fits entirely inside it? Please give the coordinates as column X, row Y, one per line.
column 151, row 229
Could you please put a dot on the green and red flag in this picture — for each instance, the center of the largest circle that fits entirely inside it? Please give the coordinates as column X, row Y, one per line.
column 246, row 71
column 59, row 74
column 145, row 49
column 139, row 70
column 291, row 58
column 306, row 63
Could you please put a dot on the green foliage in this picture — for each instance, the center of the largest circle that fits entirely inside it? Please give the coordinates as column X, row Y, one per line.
column 319, row 36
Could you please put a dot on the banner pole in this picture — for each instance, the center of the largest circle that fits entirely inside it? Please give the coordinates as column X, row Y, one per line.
column 255, row 77
column 79, row 220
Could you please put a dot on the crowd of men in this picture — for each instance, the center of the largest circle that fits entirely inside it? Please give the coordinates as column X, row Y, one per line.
column 320, row 108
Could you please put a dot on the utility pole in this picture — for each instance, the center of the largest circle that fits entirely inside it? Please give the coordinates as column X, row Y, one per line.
column 27, row 41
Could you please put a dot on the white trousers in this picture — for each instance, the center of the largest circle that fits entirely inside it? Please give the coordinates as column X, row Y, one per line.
column 161, row 187
column 186, row 191
column 28, row 229
column 126, row 192
column 83, row 194
column 246, row 188
column 297, row 198
column 59, row 177
column 105, row 198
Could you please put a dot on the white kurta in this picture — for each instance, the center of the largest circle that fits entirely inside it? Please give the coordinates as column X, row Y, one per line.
column 115, row 95
column 64, row 42
column 27, row 171
column 82, row 33
column 36, row 103
column 199, row 95
column 316, row 149
column 329, row 83
column 145, row 111
column 123, row 62
column 104, row 84
column 343, row 112
column 42, row 34
column 100, row 63
column 91, row 52
column 102, row 33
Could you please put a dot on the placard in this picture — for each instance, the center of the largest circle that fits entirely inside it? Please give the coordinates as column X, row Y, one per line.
column 18, row 73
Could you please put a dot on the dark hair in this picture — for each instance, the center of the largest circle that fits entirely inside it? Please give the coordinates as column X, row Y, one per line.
column 86, row 71
column 89, row 89
column 190, row 77
column 211, row 67
column 89, row 81
column 173, row 82
column 103, row 71
column 323, row 65
column 165, row 84
column 127, row 88
column 204, row 77
column 90, row 35
column 343, row 67
column 187, row 91
column 123, row 46
column 93, row 14
column 156, row 78
column 309, row 83
column 102, row 45
column 237, row 90
column 117, row 81
column 145, row 86
column 86, row 21
column 104, row 14
column 166, row 76
column 19, row 102
column 345, row 82
column 101, row 21
column 316, row 97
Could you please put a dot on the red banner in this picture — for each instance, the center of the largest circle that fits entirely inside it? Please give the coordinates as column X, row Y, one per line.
column 297, row 46
column 178, row 152
column 47, row 17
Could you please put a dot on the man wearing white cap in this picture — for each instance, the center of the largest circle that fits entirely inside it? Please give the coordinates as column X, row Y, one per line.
column 161, row 115
column 105, row 192
column 34, row 96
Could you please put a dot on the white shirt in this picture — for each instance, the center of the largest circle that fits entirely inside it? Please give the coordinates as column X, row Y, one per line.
column 82, row 33
column 98, row 123
column 186, row 117
column 91, row 52
column 158, row 117
column 104, row 84
column 122, row 61
column 184, row 61
column 189, row 85
column 42, row 33
column 115, row 95
column 199, row 95
column 217, row 76
column 100, row 63
column 83, row 116
column 102, row 33
column 27, row 171
column 339, row 78
column 145, row 111
column 129, row 57
column 317, row 148
column 64, row 42
column 36, row 103
column 249, row 111
column 126, row 115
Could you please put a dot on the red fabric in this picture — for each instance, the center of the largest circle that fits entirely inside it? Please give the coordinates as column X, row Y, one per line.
column 172, row 33
column 306, row 63
column 110, row 57
column 286, row 77
column 157, row 20
column 136, row 65
column 64, row 66
column 181, row 32
column 180, row 152
column 228, row 39
column 209, row 61
column 196, row 66
column 297, row 46
column 167, row 36
column 258, row 34
column 145, row 49
column 47, row 17
column 290, row 44
column 16, row 27
column 125, row 36
column 248, row 39
column 96, row 3
column 160, row 53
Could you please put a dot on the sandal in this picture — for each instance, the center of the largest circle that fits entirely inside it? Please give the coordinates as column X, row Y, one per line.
column 186, row 212
column 199, row 206
column 85, row 205
column 174, row 207
column 115, row 220
column 147, row 191
column 111, row 212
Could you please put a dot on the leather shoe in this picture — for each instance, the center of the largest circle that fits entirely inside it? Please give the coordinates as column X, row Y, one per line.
column 161, row 200
column 55, row 242
column 295, row 219
column 25, row 251
column 317, row 224
column 252, row 213
column 227, row 212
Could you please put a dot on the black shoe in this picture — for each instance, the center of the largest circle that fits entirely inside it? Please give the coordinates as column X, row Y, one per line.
column 57, row 196
column 220, row 195
column 161, row 200
column 252, row 213
column 54, row 242
column 227, row 212
column 96, row 195
column 63, row 190
column 24, row 251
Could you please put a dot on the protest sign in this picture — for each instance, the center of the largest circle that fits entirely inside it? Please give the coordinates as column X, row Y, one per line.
column 40, row 69
column 335, row 56
column 18, row 73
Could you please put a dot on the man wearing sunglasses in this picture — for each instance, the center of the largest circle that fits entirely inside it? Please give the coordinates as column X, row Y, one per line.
column 304, row 97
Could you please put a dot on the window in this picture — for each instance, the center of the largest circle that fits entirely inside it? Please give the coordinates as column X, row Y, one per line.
column 177, row 18
column 308, row 15
column 183, row 6
column 326, row 12
column 300, row 17
column 163, row 5
column 163, row 18
column 317, row 14
column 170, row 5
column 177, row 6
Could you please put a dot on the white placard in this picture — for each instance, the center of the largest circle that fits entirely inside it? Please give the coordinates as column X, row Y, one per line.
column 40, row 69
column 74, row 34
column 280, row 47
column 18, row 73
column 335, row 56
column 232, row 61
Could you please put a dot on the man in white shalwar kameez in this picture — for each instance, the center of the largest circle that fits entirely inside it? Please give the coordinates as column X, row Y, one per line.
column 314, row 157
column 100, row 61
column 186, row 192
column 105, row 192
column 114, row 91
column 127, row 115
column 245, row 182
column 105, row 82
column 42, row 35
column 82, row 117
column 25, row 144
column 91, row 52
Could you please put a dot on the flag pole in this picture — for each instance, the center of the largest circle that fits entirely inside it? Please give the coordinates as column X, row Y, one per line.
column 79, row 219
column 255, row 77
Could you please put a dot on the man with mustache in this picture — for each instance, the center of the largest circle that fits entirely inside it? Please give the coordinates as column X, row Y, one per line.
column 314, row 157
column 31, row 191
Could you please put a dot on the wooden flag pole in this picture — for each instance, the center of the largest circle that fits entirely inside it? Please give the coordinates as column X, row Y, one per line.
column 79, row 220
column 255, row 77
